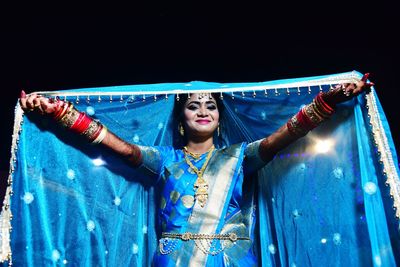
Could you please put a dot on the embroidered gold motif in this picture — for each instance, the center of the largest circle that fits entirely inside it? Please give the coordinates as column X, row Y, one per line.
column 187, row 201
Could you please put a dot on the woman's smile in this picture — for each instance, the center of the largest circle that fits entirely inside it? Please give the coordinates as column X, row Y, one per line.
column 203, row 122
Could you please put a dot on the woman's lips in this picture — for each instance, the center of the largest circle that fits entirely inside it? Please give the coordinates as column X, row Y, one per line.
column 203, row 122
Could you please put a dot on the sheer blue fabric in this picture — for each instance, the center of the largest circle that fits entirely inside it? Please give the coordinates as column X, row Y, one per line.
column 77, row 204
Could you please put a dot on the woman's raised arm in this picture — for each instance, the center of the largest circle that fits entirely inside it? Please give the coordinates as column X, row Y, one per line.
column 310, row 117
column 80, row 123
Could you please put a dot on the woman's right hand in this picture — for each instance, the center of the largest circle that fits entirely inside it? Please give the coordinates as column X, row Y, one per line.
column 38, row 103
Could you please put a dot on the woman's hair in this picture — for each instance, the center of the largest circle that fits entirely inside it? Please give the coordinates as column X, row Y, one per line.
column 178, row 116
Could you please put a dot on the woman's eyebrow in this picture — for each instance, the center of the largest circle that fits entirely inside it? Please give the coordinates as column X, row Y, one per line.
column 199, row 103
column 193, row 102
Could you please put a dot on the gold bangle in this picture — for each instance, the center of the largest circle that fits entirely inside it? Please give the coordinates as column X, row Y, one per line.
column 101, row 136
column 311, row 114
column 295, row 128
column 93, row 128
column 70, row 117
column 319, row 112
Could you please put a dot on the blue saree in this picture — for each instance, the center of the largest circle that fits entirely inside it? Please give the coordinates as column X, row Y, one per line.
column 179, row 213
column 330, row 199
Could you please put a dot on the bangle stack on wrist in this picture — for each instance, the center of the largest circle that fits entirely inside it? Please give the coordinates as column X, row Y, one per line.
column 309, row 117
column 80, row 123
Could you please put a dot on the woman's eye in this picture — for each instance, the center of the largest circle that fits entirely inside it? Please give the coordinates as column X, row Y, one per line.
column 192, row 107
column 212, row 107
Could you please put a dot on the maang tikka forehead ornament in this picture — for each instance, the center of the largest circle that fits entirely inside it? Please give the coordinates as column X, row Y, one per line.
column 202, row 95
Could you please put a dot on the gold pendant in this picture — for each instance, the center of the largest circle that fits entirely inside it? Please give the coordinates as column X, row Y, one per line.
column 201, row 194
column 200, row 185
column 202, row 199
column 200, row 182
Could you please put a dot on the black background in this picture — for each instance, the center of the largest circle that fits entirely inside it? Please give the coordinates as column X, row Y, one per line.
column 64, row 47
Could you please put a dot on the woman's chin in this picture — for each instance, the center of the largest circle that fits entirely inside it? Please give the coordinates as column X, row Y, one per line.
column 202, row 134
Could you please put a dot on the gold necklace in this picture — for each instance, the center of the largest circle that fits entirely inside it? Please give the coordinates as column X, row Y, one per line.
column 201, row 185
column 196, row 155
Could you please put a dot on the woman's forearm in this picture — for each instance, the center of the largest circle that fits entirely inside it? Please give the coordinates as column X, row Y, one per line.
column 66, row 115
column 298, row 126
column 274, row 143
column 311, row 116
column 95, row 132
column 127, row 151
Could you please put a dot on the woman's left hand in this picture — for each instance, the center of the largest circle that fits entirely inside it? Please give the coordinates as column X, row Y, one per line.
column 344, row 92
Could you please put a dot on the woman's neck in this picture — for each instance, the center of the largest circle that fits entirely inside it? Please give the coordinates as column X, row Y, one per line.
column 199, row 146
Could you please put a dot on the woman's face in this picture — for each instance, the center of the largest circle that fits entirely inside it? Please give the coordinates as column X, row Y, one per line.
column 201, row 115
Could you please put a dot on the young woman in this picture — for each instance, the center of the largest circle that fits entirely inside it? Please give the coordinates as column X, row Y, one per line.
column 203, row 219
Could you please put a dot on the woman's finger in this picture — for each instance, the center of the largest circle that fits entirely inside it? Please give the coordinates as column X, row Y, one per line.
column 29, row 101
column 49, row 106
column 363, row 86
column 36, row 102
column 349, row 91
column 22, row 99
column 43, row 105
column 365, row 77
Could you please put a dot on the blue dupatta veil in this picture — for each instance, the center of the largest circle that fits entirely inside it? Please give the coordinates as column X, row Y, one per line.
column 326, row 200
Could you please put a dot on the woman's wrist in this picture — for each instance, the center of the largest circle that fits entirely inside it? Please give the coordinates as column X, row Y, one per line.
column 310, row 116
column 79, row 122
column 329, row 98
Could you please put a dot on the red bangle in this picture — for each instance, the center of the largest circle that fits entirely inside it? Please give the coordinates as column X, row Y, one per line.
column 325, row 105
column 77, row 122
column 304, row 121
column 81, row 124
column 85, row 123
column 299, row 124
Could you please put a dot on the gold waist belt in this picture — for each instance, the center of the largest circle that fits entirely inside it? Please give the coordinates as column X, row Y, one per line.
column 211, row 244
column 191, row 236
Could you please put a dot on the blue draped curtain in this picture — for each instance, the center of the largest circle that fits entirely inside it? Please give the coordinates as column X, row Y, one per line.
column 326, row 200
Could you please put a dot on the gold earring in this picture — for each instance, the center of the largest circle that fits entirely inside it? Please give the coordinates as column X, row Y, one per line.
column 181, row 130
column 218, row 130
